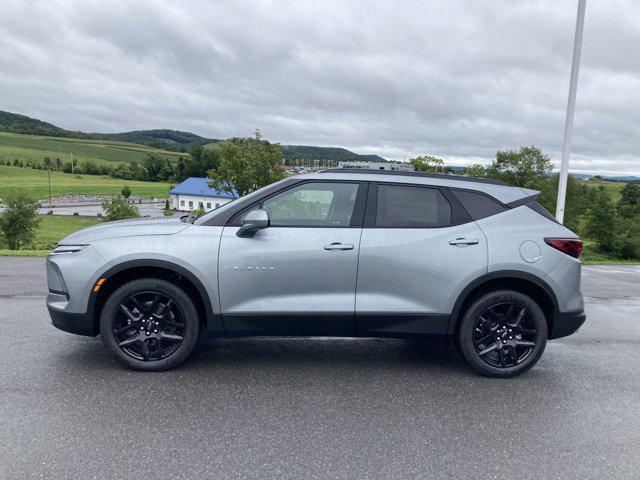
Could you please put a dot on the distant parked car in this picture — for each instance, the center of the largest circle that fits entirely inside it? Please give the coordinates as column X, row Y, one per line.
column 342, row 253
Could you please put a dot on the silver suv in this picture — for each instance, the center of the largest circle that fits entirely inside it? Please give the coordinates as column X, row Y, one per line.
column 340, row 253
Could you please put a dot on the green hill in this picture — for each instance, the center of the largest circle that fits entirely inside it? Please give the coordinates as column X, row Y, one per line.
column 163, row 139
column 335, row 154
column 16, row 123
column 35, row 148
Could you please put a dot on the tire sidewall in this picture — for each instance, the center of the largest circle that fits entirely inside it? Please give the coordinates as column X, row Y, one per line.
column 179, row 296
column 465, row 333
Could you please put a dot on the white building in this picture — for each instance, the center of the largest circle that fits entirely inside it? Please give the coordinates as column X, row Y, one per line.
column 195, row 193
column 394, row 167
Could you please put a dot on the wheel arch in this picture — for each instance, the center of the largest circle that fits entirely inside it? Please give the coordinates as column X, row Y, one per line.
column 523, row 282
column 154, row 268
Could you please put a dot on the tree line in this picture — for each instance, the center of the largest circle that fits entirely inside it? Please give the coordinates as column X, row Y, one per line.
column 590, row 210
column 152, row 168
column 242, row 165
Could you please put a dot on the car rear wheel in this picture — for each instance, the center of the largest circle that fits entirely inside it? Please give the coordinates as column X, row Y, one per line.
column 149, row 324
column 502, row 334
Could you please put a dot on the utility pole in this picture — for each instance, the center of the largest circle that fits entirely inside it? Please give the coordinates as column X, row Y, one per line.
column 49, row 175
column 571, row 109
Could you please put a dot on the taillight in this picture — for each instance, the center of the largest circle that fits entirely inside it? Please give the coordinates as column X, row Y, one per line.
column 570, row 246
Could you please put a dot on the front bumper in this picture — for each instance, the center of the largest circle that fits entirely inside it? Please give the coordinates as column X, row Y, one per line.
column 78, row 323
column 566, row 323
column 70, row 278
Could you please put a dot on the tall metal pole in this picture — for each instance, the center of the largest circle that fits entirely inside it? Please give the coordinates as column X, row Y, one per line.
column 49, row 170
column 571, row 109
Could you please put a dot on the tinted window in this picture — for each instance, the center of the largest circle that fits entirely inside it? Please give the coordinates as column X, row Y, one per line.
column 400, row 206
column 313, row 205
column 478, row 205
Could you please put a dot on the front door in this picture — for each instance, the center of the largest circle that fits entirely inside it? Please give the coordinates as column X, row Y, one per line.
column 298, row 276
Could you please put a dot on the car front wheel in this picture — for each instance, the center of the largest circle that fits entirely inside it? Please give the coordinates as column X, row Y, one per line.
column 149, row 324
column 502, row 334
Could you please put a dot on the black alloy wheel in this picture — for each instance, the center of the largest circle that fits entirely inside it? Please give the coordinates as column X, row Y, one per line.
column 502, row 334
column 150, row 324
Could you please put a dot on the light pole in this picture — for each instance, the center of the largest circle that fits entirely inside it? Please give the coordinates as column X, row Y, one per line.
column 571, row 109
column 49, row 175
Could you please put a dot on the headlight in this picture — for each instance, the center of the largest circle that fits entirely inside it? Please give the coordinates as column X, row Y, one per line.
column 68, row 248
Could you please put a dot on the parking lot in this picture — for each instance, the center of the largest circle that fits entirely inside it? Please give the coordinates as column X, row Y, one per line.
column 318, row 408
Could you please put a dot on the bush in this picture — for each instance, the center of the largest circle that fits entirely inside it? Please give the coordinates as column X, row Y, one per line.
column 602, row 222
column 19, row 221
column 118, row 208
column 126, row 191
column 627, row 245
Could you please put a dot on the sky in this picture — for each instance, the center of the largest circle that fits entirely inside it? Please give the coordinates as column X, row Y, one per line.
column 455, row 79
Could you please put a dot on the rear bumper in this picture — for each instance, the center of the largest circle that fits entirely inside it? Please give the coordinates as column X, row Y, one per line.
column 566, row 323
column 78, row 323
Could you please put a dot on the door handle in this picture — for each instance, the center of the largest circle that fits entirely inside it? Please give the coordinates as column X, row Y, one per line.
column 339, row 246
column 464, row 241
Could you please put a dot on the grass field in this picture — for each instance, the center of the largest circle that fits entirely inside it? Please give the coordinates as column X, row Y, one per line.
column 35, row 148
column 613, row 187
column 51, row 229
column 35, row 184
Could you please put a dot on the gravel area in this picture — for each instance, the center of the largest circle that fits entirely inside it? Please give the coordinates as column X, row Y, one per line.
column 84, row 199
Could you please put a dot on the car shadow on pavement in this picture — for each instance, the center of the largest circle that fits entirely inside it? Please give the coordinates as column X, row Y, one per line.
column 272, row 353
column 306, row 352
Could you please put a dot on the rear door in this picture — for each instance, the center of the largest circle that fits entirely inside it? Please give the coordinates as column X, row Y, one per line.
column 419, row 248
column 298, row 276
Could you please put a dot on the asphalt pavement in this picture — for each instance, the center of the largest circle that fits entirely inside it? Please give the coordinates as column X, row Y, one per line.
column 318, row 408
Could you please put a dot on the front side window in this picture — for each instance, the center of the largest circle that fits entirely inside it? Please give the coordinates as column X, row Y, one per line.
column 402, row 206
column 313, row 205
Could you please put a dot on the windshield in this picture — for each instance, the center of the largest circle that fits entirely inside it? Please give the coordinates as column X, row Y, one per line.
column 247, row 198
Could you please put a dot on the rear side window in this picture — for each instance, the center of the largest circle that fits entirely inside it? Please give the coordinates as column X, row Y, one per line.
column 478, row 205
column 402, row 206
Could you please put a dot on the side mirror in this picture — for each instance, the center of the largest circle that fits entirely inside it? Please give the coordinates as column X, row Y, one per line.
column 252, row 222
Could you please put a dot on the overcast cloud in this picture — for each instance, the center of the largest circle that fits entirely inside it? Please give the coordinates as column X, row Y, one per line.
column 456, row 79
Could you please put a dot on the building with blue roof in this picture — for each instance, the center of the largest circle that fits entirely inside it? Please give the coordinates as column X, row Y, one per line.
column 195, row 193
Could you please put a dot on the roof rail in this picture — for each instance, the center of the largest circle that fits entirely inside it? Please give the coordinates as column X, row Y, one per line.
column 462, row 178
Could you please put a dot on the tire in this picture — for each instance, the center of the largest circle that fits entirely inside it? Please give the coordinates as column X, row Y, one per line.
column 502, row 334
column 154, row 312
